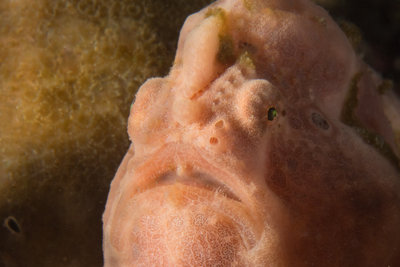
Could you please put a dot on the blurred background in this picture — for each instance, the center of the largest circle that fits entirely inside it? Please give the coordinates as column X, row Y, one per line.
column 69, row 70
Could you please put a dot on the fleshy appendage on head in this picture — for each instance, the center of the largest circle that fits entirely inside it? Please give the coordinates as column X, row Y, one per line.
column 267, row 144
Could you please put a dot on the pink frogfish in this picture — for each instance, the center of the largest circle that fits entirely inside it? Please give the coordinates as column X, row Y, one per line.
column 270, row 143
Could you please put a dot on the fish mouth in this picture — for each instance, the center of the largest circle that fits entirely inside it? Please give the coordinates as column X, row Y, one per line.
column 185, row 182
column 199, row 180
column 188, row 167
column 189, row 195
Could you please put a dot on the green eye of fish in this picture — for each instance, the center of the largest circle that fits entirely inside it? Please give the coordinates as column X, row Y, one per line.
column 272, row 113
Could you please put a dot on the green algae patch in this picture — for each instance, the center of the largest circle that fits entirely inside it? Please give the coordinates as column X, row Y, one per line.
column 217, row 12
column 347, row 115
column 352, row 33
column 221, row 16
column 320, row 20
column 226, row 53
column 397, row 135
column 385, row 86
column 349, row 118
column 248, row 4
column 246, row 60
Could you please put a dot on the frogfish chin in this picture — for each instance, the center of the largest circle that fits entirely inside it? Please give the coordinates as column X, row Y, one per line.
column 270, row 143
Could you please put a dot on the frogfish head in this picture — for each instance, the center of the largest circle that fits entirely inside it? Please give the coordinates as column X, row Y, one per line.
column 269, row 143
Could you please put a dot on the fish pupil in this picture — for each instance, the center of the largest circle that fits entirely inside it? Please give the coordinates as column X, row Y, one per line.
column 272, row 113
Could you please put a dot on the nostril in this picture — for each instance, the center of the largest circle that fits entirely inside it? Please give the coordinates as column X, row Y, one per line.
column 213, row 140
column 219, row 124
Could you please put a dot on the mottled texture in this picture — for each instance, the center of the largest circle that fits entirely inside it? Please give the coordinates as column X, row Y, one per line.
column 268, row 144
column 68, row 73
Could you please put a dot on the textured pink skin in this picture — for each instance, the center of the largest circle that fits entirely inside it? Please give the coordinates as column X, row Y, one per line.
column 210, row 181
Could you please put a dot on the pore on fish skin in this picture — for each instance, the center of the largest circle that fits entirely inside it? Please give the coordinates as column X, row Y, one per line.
column 268, row 144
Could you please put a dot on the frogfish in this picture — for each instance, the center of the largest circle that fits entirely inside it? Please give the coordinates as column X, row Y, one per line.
column 269, row 143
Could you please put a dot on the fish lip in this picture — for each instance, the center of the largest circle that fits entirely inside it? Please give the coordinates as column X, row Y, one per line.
column 198, row 179
column 172, row 158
